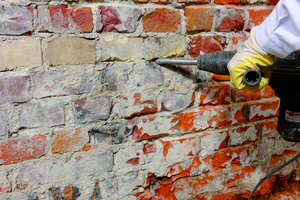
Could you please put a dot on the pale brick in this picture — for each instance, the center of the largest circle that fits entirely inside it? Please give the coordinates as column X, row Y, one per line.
column 71, row 140
column 14, row 89
column 52, row 84
column 5, row 185
column 117, row 19
column 15, row 20
column 93, row 165
column 91, row 109
column 214, row 140
column 20, row 53
column 4, row 129
column 121, row 185
column 173, row 100
column 62, row 19
column 124, row 49
column 47, row 113
column 243, row 135
column 23, row 147
column 73, row 50
column 171, row 46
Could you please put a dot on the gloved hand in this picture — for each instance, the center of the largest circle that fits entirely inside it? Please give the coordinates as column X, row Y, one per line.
column 250, row 56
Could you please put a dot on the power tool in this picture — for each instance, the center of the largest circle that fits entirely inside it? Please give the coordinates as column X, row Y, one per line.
column 285, row 80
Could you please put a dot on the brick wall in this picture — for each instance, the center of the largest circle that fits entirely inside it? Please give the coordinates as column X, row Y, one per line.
column 85, row 113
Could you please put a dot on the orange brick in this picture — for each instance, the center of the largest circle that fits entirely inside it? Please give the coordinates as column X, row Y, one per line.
column 272, row 2
column 215, row 94
column 199, row 18
column 216, row 77
column 162, row 20
column 242, row 95
column 257, row 16
column 269, row 92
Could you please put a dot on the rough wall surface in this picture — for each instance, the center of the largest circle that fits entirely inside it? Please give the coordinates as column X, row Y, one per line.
column 85, row 113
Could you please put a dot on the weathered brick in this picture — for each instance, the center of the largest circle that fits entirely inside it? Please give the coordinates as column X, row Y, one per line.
column 15, row 20
column 228, row 157
column 269, row 129
column 118, row 19
column 92, row 164
column 269, row 92
column 20, row 53
column 257, row 16
column 171, row 46
column 51, row 83
column 237, row 175
column 199, row 18
column 237, row 41
column 212, row 182
column 179, row 148
column 210, row 117
column 154, row 125
column 71, row 140
column 63, row 19
column 92, row 109
column 128, row 157
column 112, row 48
column 173, row 100
column 4, row 128
column 138, row 104
column 263, row 109
column 120, row 185
column 243, row 135
column 272, row 2
column 162, row 20
column 23, row 147
column 73, row 50
column 243, row 95
column 45, row 113
column 5, row 185
column 206, row 44
column 215, row 94
column 213, row 140
column 229, row 20
column 70, row 192
column 14, row 89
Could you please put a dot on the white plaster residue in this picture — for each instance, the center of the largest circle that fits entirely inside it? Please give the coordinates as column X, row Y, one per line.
column 213, row 141
column 201, row 121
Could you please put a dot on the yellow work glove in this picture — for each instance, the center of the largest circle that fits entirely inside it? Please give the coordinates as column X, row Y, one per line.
column 250, row 56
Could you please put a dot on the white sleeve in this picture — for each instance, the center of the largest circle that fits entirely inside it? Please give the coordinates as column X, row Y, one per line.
column 279, row 34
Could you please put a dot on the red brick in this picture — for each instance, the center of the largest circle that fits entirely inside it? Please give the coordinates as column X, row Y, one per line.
column 272, row 2
column 162, row 20
column 264, row 109
column 23, row 147
column 257, row 16
column 269, row 92
column 211, row 117
column 215, row 94
column 230, row 194
column 70, row 140
column 199, row 18
column 181, row 189
column 237, row 42
column 230, row 157
column 243, row 95
column 206, row 44
column 227, row 1
column 131, row 106
column 230, row 20
column 153, row 126
column 61, row 18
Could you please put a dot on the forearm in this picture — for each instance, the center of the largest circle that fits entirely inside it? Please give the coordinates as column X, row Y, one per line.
column 279, row 34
